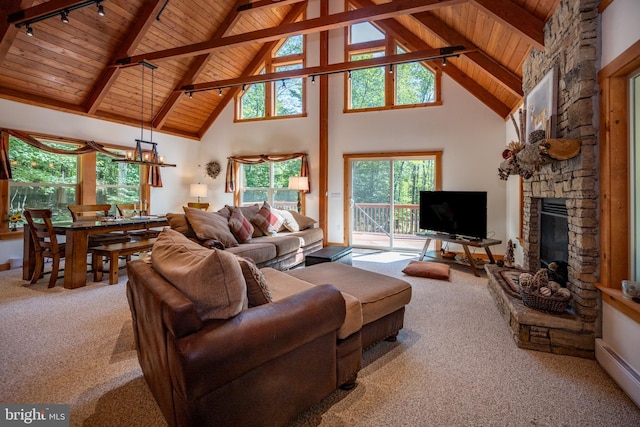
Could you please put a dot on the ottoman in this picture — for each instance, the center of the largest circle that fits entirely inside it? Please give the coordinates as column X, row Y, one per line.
column 382, row 297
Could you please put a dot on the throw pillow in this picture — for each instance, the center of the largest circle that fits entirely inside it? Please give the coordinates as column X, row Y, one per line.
column 304, row 222
column 430, row 270
column 240, row 226
column 178, row 222
column 268, row 220
column 258, row 291
column 211, row 279
column 289, row 222
column 249, row 212
column 210, row 225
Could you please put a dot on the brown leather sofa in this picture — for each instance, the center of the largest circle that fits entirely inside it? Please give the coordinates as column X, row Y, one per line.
column 262, row 367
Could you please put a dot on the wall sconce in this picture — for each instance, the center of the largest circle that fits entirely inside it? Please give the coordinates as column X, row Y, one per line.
column 299, row 183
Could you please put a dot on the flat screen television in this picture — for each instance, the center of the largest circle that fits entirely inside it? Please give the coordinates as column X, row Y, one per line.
column 457, row 213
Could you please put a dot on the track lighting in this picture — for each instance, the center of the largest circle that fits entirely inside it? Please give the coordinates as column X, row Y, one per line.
column 64, row 16
column 100, row 9
column 190, row 95
column 219, row 92
column 313, row 79
column 18, row 18
column 284, row 85
column 444, row 61
column 390, row 68
column 349, row 74
column 29, row 31
column 244, row 86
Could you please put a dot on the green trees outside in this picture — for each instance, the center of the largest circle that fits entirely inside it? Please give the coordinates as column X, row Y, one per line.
column 116, row 182
column 367, row 85
column 269, row 181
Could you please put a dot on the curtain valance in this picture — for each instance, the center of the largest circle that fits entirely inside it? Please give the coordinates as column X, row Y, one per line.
column 230, row 184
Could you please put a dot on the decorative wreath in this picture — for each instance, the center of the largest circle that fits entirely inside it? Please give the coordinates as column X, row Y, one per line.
column 213, row 169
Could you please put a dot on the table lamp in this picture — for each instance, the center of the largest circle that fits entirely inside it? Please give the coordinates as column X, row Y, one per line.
column 299, row 183
column 198, row 190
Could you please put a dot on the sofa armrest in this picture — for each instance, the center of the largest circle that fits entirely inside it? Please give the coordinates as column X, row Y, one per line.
column 224, row 350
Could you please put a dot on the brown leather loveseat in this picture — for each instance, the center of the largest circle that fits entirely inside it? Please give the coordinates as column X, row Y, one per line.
column 262, row 367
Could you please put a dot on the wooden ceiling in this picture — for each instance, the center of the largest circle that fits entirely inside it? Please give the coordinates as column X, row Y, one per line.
column 85, row 66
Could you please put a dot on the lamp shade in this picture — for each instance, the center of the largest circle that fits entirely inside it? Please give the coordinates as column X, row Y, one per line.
column 198, row 190
column 300, row 183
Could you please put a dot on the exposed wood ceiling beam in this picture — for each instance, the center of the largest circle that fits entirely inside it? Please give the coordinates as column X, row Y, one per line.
column 341, row 67
column 509, row 80
column 245, row 5
column 199, row 62
column 135, row 35
column 337, row 20
column 516, row 18
column 413, row 42
column 8, row 31
column 21, row 16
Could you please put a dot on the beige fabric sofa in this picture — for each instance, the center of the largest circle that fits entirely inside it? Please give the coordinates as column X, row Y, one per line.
column 281, row 251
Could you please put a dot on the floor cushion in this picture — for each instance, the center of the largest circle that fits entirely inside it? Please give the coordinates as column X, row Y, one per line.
column 430, row 270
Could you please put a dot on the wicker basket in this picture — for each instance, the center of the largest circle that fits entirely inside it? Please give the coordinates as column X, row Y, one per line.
column 552, row 304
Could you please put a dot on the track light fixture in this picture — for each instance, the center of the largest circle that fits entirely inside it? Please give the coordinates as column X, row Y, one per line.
column 18, row 18
column 219, row 92
column 444, row 61
column 390, row 68
column 190, row 95
column 313, row 79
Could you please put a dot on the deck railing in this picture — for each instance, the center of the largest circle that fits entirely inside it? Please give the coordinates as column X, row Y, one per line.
column 374, row 218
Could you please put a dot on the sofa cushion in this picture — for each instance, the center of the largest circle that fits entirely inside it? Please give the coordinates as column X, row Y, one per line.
column 240, row 226
column 249, row 212
column 178, row 222
column 258, row 291
column 283, row 285
column 289, row 222
column 268, row 220
column 308, row 236
column 430, row 270
column 284, row 243
column 212, row 279
column 379, row 294
column 304, row 222
column 210, row 225
column 258, row 251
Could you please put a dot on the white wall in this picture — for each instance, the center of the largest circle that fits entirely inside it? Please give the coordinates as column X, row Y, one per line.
column 619, row 32
column 181, row 151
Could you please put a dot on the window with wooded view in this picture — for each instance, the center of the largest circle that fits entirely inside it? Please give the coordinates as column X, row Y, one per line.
column 410, row 84
column 283, row 98
column 269, row 181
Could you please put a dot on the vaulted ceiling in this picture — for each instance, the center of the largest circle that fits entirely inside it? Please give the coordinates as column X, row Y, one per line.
column 89, row 65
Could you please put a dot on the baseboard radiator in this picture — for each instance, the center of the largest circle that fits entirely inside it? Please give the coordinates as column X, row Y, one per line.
column 623, row 374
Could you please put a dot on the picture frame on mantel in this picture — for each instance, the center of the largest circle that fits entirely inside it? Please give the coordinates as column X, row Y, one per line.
column 542, row 105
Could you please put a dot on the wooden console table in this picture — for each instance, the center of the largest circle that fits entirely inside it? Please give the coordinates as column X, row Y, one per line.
column 484, row 243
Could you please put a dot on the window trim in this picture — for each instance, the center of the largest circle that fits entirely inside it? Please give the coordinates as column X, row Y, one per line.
column 85, row 187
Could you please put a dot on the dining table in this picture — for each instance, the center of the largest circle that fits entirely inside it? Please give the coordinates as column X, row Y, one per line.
column 77, row 243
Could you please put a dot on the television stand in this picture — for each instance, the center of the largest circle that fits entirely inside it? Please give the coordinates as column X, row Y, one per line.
column 465, row 242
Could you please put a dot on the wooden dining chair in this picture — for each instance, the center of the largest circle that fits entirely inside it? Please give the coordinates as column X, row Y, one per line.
column 45, row 243
column 126, row 210
column 204, row 206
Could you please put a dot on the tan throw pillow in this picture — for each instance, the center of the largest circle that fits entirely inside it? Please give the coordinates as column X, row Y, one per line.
column 258, row 291
column 249, row 212
column 210, row 278
column 304, row 222
column 268, row 220
column 430, row 270
column 178, row 222
column 210, row 225
column 289, row 222
column 240, row 226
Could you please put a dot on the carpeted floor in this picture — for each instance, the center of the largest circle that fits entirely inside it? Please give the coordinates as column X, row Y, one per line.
column 454, row 364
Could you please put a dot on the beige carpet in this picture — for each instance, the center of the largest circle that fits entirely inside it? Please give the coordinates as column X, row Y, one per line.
column 455, row 363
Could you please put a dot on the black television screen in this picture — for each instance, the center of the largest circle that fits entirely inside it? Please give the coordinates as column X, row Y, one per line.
column 459, row 213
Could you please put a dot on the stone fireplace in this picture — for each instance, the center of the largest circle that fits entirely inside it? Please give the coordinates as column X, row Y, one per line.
column 572, row 48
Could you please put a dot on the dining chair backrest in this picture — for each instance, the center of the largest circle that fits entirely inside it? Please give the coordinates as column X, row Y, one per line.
column 88, row 212
column 126, row 209
column 44, row 238
column 204, row 206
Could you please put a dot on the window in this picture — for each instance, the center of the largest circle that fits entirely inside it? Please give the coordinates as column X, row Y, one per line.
column 116, row 182
column 399, row 85
column 42, row 179
column 284, row 98
column 269, row 182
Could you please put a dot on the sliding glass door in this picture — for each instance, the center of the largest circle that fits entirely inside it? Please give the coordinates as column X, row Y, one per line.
column 384, row 194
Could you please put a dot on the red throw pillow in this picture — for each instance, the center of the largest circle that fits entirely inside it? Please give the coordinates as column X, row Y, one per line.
column 268, row 220
column 240, row 226
column 430, row 270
